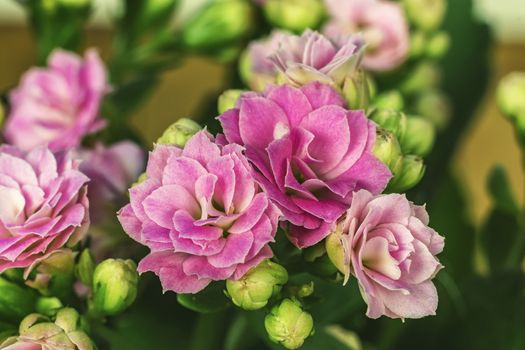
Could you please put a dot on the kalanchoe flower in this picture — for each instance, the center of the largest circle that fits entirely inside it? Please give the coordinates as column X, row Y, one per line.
column 201, row 213
column 385, row 242
column 44, row 205
column 58, row 105
column 111, row 171
column 310, row 154
column 382, row 23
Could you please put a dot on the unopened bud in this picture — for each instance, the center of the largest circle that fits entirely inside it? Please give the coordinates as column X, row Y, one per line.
column 438, row 45
column 411, row 173
column 419, row 137
column 425, row 14
column 179, row 133
column 391, row 120
column 254, row 289
column 114, row 286
column 418, row 43
column 294, row 15
column 288, row 325
column 85, row 267
column 388, row 150
column 218, row 23
column 423, row 77
column 228, row 100
column 511, row 95
column 356, row 89
column 434, row 106
column 391, row 99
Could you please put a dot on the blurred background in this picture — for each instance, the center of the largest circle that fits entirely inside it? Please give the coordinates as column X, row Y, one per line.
column 489, row 140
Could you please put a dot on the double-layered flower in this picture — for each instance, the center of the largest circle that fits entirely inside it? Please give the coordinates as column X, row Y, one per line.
column 382, row 24
column 385, row 242
column 57, row 105
column 310, row 154
column 43, row 205
column 201, row 213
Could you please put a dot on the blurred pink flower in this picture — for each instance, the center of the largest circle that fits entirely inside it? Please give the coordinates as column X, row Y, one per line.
column 388, row 246
column 58, row 105
column 310, row 154
column 44, row 205
column 111, row 171
column 382, row 24
column 201, row 213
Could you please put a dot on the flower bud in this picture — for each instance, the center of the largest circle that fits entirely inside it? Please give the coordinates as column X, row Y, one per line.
column 434, row 106
column 411, row 173
column 255, row 288
column 218, row 23
column 15, row 300
column 388, row 150
column 179, row 132
column 228, row 100
column 419, row 137
column 85, row 267
column 423, row 77
column 511, row 95
column 425, row 14
column 288, row 325
column 391, row 99
column 438, row 45
column 48, row 306
column 418, row 43
column 356, row 89
column 391, row 120
column 114, row 286
column 294, row 15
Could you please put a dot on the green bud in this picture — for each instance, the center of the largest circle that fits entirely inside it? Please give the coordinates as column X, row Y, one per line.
column 228, row 100
column 419, row 137
column 15, row 300
column 114, row 286
column 288, row 325
column 336, row 250
column 391, row 99
column 391, row 120
column 423, row 77
column 255, row 288
column 294, row 15
column 425, row 14
column 356, row 90
column 411, row 173
column 418, row 43
column 511, row 95
column 219, row 23
column 434, row 106
column 306, row 290
column 48, row 305
column 85, row 267
column 179, row 132
column 388, row 150
column 438, row 45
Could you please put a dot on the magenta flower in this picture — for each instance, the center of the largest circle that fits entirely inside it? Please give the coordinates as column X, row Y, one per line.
column 57, row 105
column 310, row 154
column 201, row 213
column 111, row 171
column 388, row 246
column 44, row 205
column 382, row 23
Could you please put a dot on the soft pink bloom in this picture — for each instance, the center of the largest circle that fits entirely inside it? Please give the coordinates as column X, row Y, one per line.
column 58, row 105
column 390, row 249
column 382, row 23
column 21, row 345
column 201, row 213
column 43, row 205
column 310, row 153
column 111, row 171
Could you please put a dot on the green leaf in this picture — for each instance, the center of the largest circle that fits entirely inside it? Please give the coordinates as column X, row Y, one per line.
column 501, row 191
column 211, row 299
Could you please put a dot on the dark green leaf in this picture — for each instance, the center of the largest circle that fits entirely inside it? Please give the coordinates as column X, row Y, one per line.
column 501, row 191
column 211, row 299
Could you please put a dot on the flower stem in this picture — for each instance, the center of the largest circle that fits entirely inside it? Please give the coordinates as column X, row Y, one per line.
column 209, row 331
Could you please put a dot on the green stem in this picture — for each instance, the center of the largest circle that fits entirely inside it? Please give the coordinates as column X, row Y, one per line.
column 209, row 331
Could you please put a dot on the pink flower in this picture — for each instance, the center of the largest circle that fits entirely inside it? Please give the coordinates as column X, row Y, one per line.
column 382, row 23
column 201, row 213
column 57, row 105
column 111, row 171
column 44, row 206
column 310, row 154
column 388, row 246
